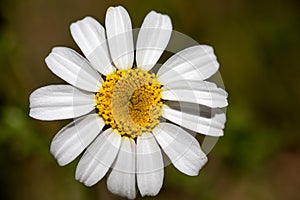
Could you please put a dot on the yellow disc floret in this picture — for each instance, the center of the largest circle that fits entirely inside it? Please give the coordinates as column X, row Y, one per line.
column 130, row 101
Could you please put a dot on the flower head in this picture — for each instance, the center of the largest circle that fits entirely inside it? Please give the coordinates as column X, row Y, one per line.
column 125, row 113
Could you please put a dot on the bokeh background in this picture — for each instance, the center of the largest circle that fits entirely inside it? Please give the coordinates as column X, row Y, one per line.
column 257, row 43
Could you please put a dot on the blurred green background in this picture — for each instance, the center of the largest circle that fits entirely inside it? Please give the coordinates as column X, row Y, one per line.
column 257, row 44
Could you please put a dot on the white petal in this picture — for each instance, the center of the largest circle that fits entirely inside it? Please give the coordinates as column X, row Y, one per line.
column 152, row 40
column 74, row 69
column 98, row 158
column 120, row 38
column 183, row 149
column 90, row 37
column 208, row 126
column 197, row 63
column 72, row 139
column 121, row 180
column 150, row 166
column 56, row 102
column 211, row 97
column 192, row 84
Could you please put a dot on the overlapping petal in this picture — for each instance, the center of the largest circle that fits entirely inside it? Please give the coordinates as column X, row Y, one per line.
column 152, row 40
column 98, row 158
column 194, row 63
column 120, row 37
column 182, row 148
column 90, row 37
column 211, row 97
column 212, row 125
column 74, row 69
column 71, row 140
column 121, row 180
column 150, row 166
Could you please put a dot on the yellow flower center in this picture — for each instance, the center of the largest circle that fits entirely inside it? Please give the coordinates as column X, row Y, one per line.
column 130, row 101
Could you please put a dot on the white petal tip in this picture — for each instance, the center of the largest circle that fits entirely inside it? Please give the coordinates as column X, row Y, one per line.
column 220, row 134
column 111, row 8
column 88, row 181
column 203, row 161
column 86, row 19
column 62, row 163
column 166, row 18
column 47, row 59
column 32, row 115
column 57, row 49
column 193, row 174
column 88, row 184
column 149, row 194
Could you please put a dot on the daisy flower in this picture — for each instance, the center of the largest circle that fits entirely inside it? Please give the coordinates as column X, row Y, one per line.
column 125, row 113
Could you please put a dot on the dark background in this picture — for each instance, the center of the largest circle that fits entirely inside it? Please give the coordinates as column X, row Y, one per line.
column 257, row 44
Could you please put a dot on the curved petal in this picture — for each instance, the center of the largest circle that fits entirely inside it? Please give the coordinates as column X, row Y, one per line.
column 196, row 62
column 90, row 37
column 73, row 68
column 183, row 149
column 98, row 158
column 120, row 38
column 211, row 97
column 121, row 180
column 72, row 139
column 56, row 102
column 150, row 166
column 208, row 126
column 152, row 40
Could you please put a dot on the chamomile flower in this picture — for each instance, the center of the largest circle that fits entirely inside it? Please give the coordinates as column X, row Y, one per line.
column 124, row 120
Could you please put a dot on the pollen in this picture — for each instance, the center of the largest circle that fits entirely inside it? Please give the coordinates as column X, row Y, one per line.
column 130, row 101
